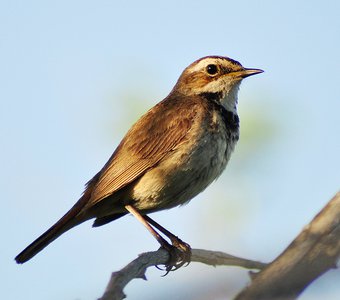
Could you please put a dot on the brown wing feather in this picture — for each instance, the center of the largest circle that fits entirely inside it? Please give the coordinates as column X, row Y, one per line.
column 157, row 133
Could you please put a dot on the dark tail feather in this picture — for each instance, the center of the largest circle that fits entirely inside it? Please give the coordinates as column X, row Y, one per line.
column 104, row 220
column 68, row 221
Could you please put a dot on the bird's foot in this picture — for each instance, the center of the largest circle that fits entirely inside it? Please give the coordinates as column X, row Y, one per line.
column 179, row 254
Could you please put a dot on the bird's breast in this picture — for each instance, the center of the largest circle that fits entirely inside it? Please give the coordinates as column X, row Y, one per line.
column 190, row 167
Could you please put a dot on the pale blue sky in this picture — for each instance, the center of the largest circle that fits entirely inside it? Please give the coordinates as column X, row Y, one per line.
column 67, row 69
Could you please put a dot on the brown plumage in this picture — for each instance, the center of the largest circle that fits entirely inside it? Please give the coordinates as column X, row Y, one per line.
column 169, row 155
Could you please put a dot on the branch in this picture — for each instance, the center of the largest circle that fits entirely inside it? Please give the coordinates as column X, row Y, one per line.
column 138, row 267
column 312, row 253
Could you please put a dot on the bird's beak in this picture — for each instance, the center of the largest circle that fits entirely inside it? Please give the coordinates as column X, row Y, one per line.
column 247, row 72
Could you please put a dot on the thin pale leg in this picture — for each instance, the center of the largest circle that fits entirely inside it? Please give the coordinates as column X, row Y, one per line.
column 180, row 252
column 175, row 240
column 142, row 219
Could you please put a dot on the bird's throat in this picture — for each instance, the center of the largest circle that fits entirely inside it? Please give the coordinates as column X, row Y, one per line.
column 229, row 99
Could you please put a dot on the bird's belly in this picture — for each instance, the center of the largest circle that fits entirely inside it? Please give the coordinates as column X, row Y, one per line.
column 183, row 174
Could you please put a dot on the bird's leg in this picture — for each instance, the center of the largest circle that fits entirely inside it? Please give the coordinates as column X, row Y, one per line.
column 180, row 252
column 175, row 240
column 141, row 219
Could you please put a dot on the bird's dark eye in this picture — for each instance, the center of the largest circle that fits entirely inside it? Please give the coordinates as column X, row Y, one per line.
column 212, row 69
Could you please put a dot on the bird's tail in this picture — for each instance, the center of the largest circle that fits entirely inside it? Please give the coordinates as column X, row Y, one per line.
column 68, row 221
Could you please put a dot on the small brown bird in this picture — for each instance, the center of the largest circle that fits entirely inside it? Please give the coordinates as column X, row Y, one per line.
column 171, row 154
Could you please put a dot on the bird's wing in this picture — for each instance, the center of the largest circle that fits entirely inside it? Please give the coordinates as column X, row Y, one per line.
column 157, row 133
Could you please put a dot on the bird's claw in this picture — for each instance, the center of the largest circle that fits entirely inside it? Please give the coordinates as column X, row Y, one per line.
column 179, row 255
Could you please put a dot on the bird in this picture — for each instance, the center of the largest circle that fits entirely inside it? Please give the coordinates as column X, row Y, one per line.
column 171, row 154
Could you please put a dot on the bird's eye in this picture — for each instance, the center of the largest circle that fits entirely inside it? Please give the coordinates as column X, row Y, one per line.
column 212, row 69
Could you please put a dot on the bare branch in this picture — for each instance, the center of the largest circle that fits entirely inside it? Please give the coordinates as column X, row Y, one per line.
column 312, row 253
column 138, row 267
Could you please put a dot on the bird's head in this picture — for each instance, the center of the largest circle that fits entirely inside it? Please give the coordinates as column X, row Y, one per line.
column 214, row 75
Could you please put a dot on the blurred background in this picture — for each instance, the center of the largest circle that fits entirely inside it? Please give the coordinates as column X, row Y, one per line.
column 75, row 75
